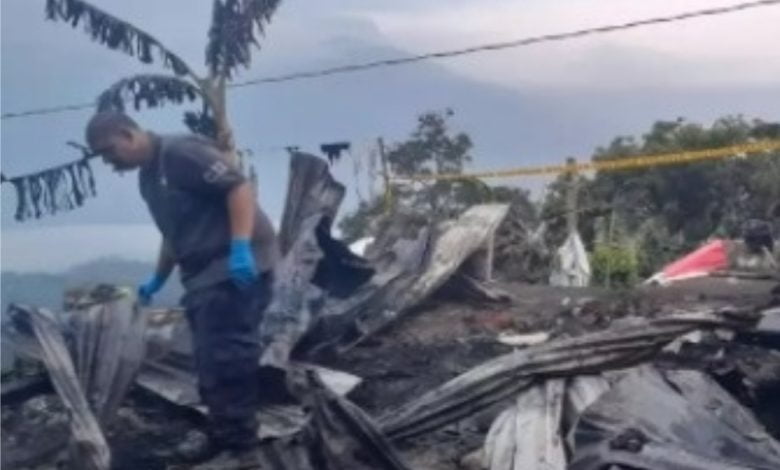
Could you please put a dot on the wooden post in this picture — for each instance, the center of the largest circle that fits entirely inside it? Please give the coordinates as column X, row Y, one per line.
column 480, row 264
column 610, row 231
column 388, row 192
column 571, row 196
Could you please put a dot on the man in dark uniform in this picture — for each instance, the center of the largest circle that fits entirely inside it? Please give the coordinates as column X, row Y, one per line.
column 225, row 248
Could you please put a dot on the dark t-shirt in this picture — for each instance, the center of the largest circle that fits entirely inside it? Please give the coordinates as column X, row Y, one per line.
column 185, row 187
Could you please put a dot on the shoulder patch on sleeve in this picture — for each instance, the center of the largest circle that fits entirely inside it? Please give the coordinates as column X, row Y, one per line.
column 216, row 172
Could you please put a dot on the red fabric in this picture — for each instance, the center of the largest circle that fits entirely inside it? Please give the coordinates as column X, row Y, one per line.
column 706, row 259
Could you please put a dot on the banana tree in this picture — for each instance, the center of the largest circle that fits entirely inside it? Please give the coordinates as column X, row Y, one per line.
column 236, row 27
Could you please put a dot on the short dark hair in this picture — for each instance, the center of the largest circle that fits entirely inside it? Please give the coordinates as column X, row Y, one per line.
column 106, row 123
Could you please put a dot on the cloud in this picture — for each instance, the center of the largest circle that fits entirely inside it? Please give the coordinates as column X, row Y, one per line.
column 717, row 51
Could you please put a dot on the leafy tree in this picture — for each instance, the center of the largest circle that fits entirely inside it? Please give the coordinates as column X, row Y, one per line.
column 638, row 219
column 358, row 224
column 431, row 149
column 235, row 28
column 666, row 211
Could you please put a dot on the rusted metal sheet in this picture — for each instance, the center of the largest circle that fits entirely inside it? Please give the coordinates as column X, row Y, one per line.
column 346, row 436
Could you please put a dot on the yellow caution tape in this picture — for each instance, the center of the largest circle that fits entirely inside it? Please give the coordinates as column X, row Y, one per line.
column 626, row 163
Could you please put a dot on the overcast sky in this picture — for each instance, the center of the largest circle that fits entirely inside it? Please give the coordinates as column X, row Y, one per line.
column 523, row 106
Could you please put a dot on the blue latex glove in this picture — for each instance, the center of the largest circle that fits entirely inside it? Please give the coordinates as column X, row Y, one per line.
column 149, row 288
column 241, row 264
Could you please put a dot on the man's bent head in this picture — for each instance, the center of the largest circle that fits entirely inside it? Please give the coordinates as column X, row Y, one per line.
column 119, row 140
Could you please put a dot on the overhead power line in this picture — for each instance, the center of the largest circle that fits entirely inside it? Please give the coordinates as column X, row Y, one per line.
column 48, row 110
column 496, row 46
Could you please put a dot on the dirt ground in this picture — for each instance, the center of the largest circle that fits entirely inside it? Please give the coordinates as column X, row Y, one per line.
column 436, row 343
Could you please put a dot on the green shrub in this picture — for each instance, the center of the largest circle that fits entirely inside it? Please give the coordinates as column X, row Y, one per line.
column 614, row 265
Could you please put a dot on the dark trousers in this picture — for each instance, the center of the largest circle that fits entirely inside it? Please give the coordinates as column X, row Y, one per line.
column 224, row 321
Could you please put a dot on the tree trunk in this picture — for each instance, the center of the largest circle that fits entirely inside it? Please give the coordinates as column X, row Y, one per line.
column 214, row 90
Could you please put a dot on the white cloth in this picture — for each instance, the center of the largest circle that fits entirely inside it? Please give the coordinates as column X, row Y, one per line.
column 571, row 267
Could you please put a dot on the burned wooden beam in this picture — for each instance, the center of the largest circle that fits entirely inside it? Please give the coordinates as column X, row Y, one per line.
column 346, row 437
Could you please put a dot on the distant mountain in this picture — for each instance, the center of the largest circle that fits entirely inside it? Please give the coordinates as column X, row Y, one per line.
column 43, row 290
column 46, row 290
